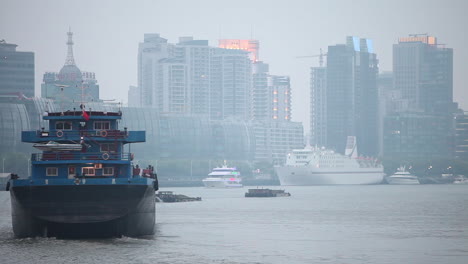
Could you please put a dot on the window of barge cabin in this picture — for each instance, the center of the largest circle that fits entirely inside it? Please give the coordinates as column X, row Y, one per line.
column 108, row 147
column 108, row 171
column 101, row 125
column 51, row 171
column 87, row 171
column 63, row 125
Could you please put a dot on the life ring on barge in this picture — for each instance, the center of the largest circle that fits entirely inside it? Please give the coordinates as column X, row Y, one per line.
column 103, row 133
column 59, row 133
column 105, row 156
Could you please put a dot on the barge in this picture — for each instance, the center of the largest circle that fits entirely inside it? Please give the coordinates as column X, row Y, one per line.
column 266, row 193
column 91, row 191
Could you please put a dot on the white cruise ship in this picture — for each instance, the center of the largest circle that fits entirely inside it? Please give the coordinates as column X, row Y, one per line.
column 402, row 176
column 320, row 166
column 223, row 177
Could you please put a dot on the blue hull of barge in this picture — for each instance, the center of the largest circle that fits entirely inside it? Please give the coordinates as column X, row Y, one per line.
column 88, row 208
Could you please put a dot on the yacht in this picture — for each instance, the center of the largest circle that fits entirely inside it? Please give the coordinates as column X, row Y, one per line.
column 321, row 166
column 223, row 177
column 402, row 176
column 460, row 179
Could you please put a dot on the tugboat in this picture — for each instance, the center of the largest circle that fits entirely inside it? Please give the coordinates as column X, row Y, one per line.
column 92, row 191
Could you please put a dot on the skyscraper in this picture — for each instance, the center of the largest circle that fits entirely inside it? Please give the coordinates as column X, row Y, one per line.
column 271, row 94
column 191, row 77
column 16, row 70
column 195, row 54
column 423, row 72
column 419, row 122
column 349, row 105
column 70, row 84
column 318, row 106
column 150, row 52
column 261, row 96
column 280, row 87
column 230, row 84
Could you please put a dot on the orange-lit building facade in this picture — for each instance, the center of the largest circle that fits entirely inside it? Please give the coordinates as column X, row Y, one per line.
column 423, row 39
column 250, row 45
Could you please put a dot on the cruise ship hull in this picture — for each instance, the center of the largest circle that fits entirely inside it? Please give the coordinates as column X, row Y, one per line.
column 83, row 210
column 306, row 175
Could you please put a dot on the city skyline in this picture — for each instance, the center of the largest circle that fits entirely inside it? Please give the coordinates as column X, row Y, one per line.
column 108, row 46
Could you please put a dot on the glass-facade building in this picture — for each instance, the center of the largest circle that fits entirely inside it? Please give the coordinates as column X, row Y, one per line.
column 419, row 122
column 351, row 96
column 16, row 70
column 167, row 136
column 423, row 72
column 418, row 135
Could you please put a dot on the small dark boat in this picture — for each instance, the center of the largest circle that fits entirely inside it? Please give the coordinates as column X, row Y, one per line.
column 266, row 193
column 170, row 197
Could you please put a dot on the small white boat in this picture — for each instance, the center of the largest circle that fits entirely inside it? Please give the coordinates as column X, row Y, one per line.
column 223, row 177
column 55, row 146
column 402, row 176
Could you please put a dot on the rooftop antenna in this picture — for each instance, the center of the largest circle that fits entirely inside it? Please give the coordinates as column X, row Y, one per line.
column 70, row 60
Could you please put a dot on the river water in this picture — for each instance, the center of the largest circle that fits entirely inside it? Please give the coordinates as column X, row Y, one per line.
column 317, row 224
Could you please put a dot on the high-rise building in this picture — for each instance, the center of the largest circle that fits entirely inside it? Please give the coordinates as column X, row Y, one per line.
column 461, row 135
column 70, row 84
column 423, row 72
column 150, row 52
column 387, row 96
column 191, row 77
column 318, row 106
column 271, row 94
column 350, row 100
column 172, row 91
column 230, row 84
column 16, row 70
column 419, row 121
column 195, row 54
column 261, row 95
column 280, row 88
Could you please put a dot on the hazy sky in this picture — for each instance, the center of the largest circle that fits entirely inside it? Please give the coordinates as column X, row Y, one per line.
column 107, row 33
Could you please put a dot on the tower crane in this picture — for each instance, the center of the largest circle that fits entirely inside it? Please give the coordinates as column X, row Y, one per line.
column 321, row 55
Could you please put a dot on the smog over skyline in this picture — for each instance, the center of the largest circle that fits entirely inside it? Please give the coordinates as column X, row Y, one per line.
column 107, row 34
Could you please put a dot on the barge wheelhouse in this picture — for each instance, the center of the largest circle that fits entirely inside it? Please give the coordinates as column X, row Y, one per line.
column 83, row 183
